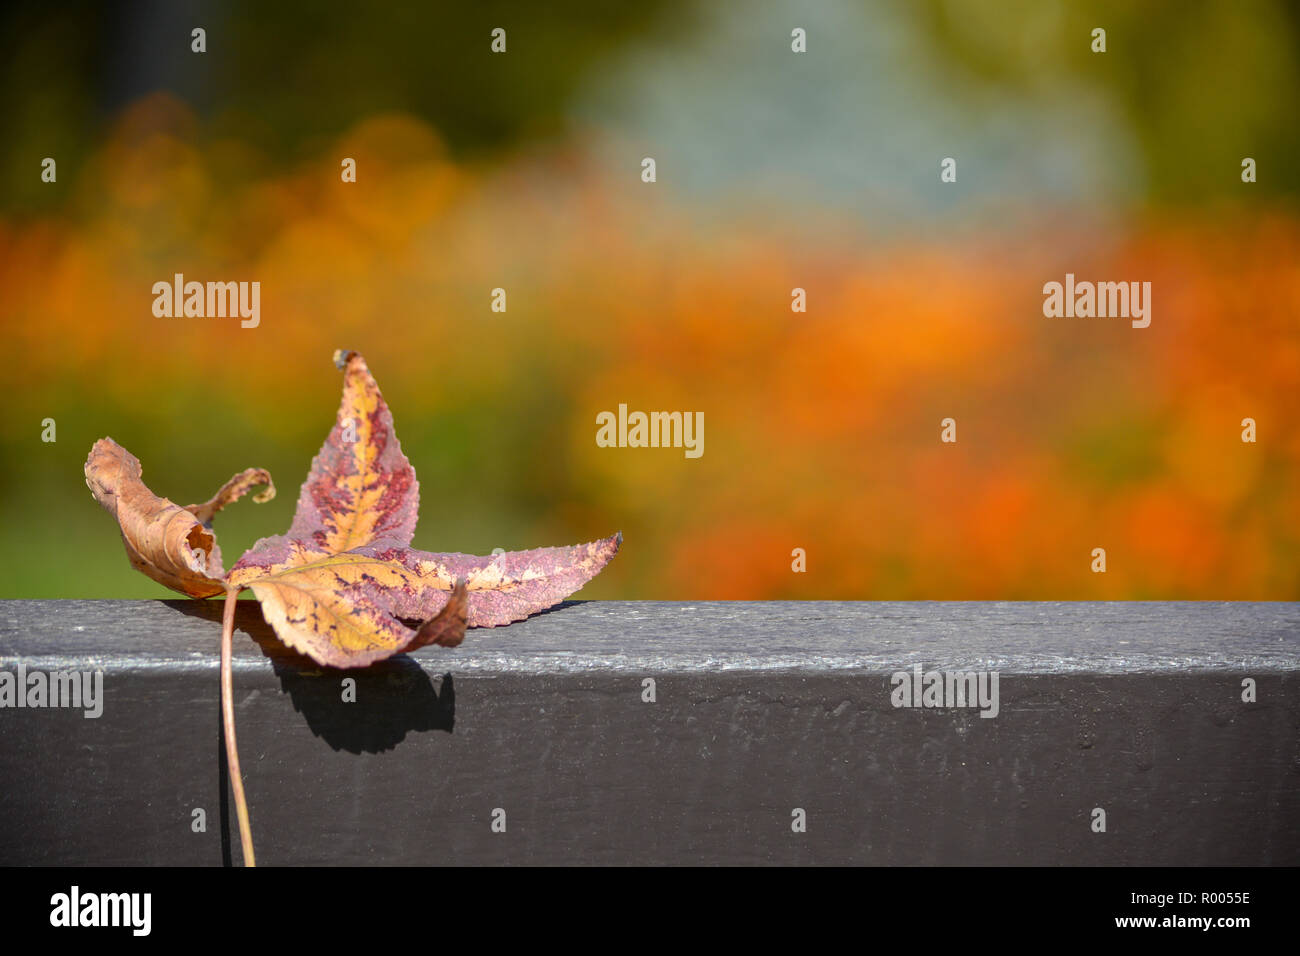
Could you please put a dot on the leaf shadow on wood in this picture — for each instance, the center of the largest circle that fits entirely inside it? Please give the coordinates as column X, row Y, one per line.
column 393, row 698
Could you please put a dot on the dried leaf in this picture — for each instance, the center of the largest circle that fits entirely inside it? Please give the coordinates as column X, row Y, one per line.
column 361, row 487
column 173, row 545
column 341, row 584
column 338, row 586
column 233, row 490
column 336, row 608
column 502, row 587
column 447, row 628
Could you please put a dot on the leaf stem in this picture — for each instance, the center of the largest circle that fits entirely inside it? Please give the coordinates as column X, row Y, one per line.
column 228, row 726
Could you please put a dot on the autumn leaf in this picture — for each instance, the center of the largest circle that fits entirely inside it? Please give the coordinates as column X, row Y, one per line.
column 338, row 609
column 322, row 597
column 505, row 587
column 361, row 487
column 338, row 586
column 173, row 545
column 343, row 586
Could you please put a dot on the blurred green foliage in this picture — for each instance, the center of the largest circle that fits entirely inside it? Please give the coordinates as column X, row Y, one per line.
column 1197, row 79
column 285, row 77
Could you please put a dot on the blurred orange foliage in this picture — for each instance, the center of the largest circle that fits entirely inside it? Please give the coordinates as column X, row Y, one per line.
column 822, row 429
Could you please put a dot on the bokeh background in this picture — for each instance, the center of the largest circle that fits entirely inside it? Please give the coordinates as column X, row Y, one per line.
column 775, row 170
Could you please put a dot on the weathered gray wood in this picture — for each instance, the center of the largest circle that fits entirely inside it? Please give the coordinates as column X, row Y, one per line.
column 761, row 708
column 636, row 636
